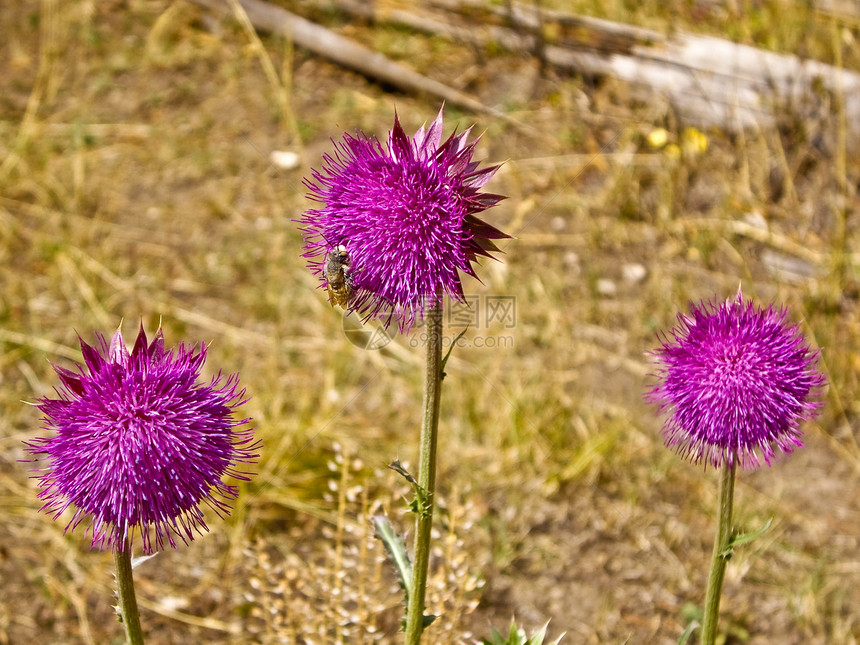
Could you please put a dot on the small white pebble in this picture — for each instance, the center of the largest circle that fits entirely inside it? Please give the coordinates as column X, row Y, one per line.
column 285, row 159
column 633, row 272
column 571, row 261
column 606, row 287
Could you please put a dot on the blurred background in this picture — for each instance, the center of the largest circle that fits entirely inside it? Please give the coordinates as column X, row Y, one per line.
column 151, row 161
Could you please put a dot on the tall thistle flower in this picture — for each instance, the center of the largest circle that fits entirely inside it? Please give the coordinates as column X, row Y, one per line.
column 139, row 444
column 737, row 381
column 394, row 230
column 397, row 226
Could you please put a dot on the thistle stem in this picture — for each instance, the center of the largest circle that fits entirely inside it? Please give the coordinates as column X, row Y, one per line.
column 426, row 476
column 125, row 593
column 721, row 555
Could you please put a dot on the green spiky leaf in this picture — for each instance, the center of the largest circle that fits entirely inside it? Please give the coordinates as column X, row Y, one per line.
column 749, row 537
column 421, row 502
column 396, row 548
column 517, row 636
column 448, row 354
column 685, row 635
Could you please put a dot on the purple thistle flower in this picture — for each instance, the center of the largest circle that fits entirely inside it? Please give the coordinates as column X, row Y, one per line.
column 401, row 222
column 736, row 380
column 139, row 443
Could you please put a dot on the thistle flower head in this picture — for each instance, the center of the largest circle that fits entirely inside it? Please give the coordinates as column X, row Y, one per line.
column 139, row 443
column 400, row 221
column 736, row 381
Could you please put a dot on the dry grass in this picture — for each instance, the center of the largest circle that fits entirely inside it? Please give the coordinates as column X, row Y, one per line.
column 134, row 140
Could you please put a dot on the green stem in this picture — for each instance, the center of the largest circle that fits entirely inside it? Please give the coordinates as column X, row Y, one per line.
column 125, row 593
column 722, row 553
column 426, row 476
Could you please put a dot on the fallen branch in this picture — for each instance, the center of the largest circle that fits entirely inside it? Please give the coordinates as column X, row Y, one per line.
column 349, row 54
column 708, row 81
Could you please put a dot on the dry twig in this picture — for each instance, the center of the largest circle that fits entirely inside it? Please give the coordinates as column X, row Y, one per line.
column 349, row 54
